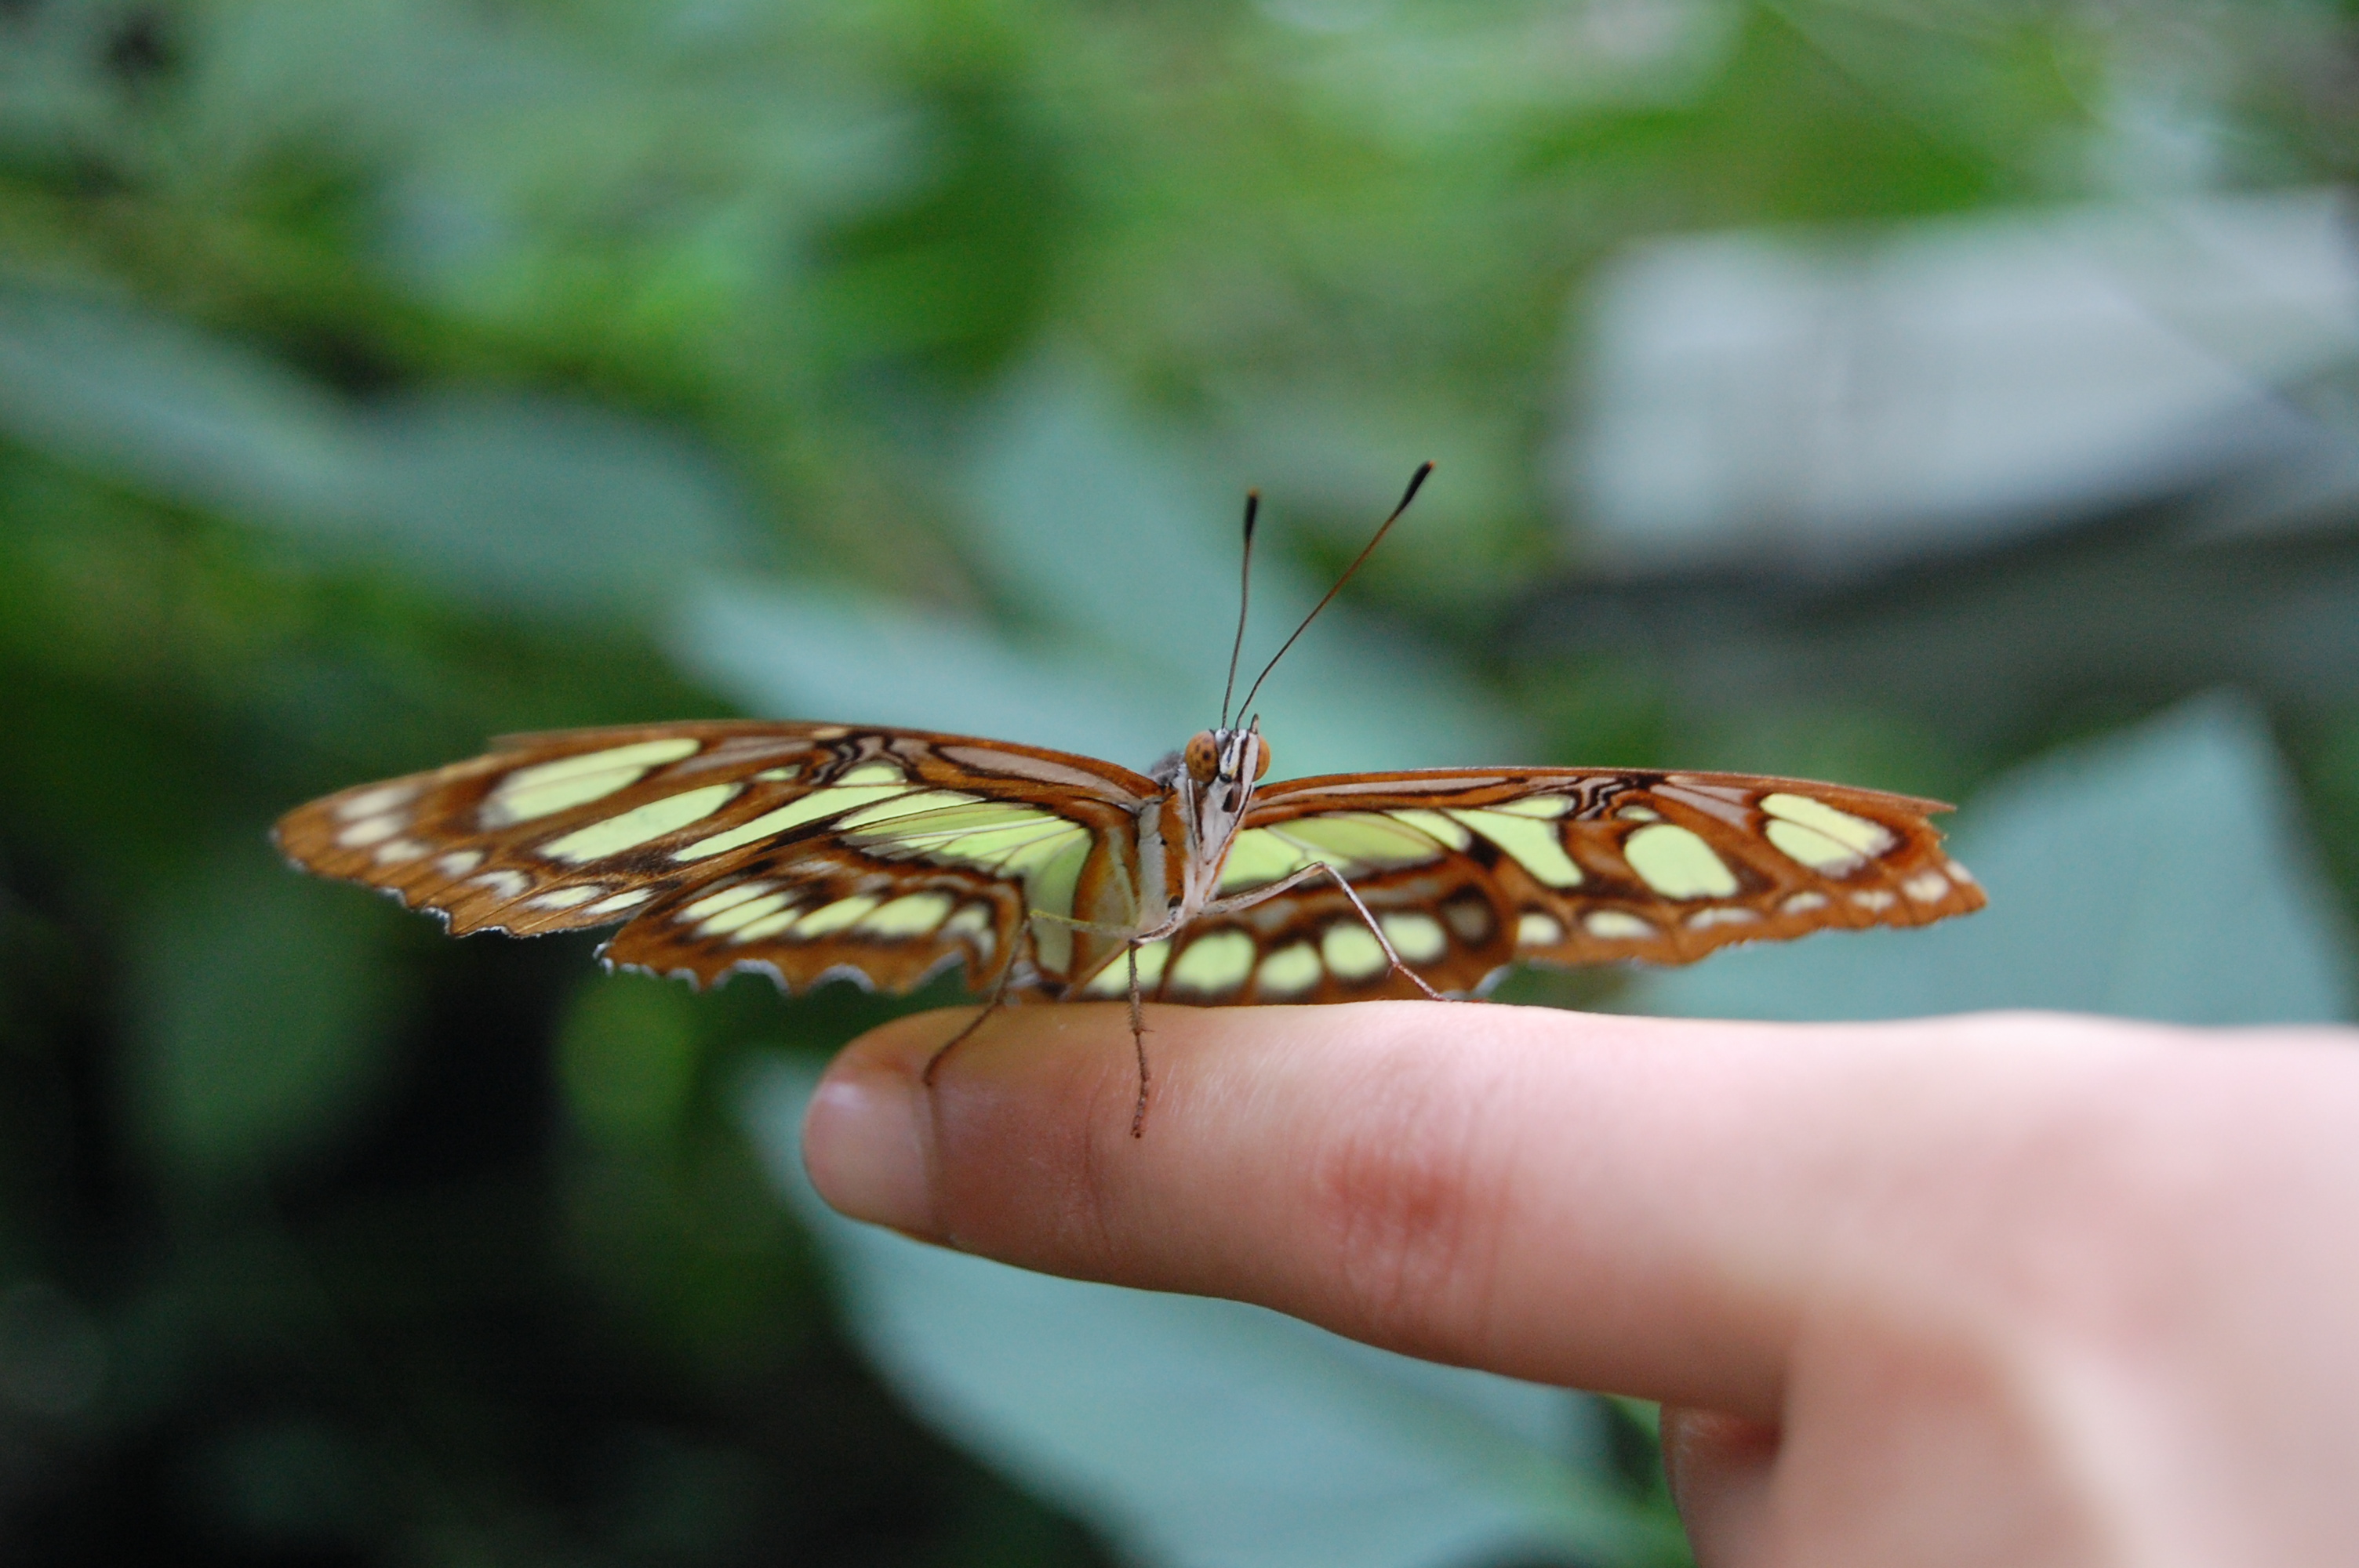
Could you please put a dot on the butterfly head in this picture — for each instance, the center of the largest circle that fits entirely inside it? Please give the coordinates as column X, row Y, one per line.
column 1215, row 755
column 1220, row 768
column 1214, row 777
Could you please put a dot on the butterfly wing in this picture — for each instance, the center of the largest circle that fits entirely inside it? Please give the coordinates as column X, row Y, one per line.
column 803, row 850
column 1468, row 868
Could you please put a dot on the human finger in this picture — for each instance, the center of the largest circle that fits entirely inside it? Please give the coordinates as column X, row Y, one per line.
column 1624, row 1202
column 1720, row 1468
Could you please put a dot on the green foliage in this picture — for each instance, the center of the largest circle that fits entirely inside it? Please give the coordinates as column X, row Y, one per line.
column 263, row 1015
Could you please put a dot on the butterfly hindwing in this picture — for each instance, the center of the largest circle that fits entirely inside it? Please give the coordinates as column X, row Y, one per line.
column 590, row 827
column 890, row 903
column 823, row 916
column 1444, row 918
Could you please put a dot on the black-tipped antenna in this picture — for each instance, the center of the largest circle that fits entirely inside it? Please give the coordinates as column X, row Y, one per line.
column 1245, row 597
column 1414, row 481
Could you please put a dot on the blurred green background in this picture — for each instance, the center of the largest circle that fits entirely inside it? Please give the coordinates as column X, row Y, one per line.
column 1959, row 397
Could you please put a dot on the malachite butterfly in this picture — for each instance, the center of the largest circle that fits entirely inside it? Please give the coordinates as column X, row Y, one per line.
column 884, row 856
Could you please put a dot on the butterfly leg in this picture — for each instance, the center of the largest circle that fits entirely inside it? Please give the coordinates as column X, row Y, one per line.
column 998, row 999
column 1137, row 1040
column 1311, row 872
column 1131, row 942
column 1378, row 933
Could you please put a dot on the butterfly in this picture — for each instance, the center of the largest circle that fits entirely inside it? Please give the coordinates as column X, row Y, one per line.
column 886, row 857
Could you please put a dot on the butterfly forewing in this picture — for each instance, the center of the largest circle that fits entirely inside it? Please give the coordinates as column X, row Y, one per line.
column 806, row 851
column 1445, row 919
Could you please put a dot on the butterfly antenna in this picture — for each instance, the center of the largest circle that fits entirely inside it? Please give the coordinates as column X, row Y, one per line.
column 1245, row 597
column 1415, row 481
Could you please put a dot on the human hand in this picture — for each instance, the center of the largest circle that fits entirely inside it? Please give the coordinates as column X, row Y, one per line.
column 2007, row 1288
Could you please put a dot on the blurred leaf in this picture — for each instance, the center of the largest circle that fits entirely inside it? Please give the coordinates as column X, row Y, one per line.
column 1090, row 530
column 511, row 500
column 300, row 302
column 53, row 1357
column 1431, row 75
column 2155, row 874
column 264, row 1003
column 1201, row 1431
column 627, row 1060
column 661, row 159
column 2097, row 625
column 858, row 658
column 290, row 1486
column 2030, row 368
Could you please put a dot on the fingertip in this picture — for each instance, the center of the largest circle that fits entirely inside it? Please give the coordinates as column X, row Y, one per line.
column 866, row 1138
column 1720, row 1469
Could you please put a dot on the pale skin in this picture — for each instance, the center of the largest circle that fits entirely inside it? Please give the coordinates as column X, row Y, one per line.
column 2014, row 1289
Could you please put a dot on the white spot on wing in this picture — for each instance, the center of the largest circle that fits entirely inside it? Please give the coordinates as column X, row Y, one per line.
column 1617, row 926
column 916, row 803
column 544, row 789
column 1346, row 839
column 1533, row 845
column 1876, row 899
column 1534, row 929
column 1811, row 848
column 912, row 915
column 1927, row 887
column 830, row 918
column 1214, row 963
column 1676, row 863
column 639, row 825
column 370, row 830
column 768, row 926
column 976, row 923
column 393, row 851
column 1290, row 972
column 1855, row 834
column 1436, row 825
column 1114, row 979
column 714, row 902
column 459, row 862
column 1414, row 936
column 1350, row 952
column 1803, row 902
column 369, row 803
column 1259, row 856
column 794, row 813
column 744, row 913
column 566, row 898
column 1726, row 915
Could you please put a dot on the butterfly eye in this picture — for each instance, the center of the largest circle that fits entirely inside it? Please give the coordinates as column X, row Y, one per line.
column 1204, row 758
column 1261, row 762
